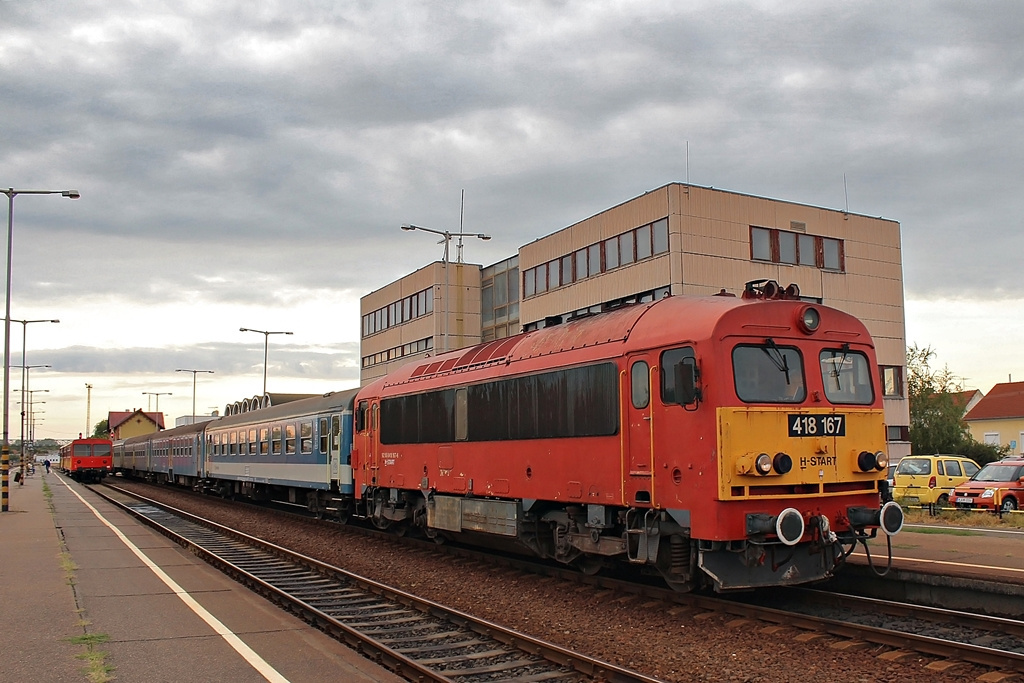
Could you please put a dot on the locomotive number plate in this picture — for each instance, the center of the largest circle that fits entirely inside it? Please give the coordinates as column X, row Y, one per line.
column 816, row 425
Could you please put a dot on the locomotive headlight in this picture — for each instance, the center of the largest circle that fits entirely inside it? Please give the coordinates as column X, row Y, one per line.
column 763, row 464
column 782, row 463
column 881, row 460
column 809, row 320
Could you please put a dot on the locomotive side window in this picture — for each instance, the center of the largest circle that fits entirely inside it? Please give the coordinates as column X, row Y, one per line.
column 461, row 428
column 573, row 402
column 847, row 376
column 669, row 360
column 766, row 373
column 640, row 384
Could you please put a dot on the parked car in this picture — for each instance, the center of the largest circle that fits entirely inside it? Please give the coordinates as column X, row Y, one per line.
column 999, row 485
column 927, row 479
column 890, row 477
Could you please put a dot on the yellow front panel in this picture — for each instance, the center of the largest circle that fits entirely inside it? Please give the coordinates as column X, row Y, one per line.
column 821, row 464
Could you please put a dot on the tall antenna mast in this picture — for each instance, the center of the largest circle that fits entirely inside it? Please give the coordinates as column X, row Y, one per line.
column 846, row 192
column 88, row 409
column 687, row 162
column 462, row 214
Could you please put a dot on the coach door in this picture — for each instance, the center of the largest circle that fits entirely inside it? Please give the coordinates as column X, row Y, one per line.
column 335, row 448
column 638, row 455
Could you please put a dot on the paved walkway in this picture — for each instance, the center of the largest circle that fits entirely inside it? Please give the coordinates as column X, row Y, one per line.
column 82, row 598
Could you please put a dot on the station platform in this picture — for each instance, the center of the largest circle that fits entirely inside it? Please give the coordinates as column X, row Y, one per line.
column 88, row 593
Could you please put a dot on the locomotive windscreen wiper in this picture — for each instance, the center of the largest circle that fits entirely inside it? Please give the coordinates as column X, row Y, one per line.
column 779, row 359
column 837, row 367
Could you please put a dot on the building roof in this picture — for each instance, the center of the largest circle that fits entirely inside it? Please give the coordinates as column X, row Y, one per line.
column 967, row 399
column 116, row 419
column 1003, row 401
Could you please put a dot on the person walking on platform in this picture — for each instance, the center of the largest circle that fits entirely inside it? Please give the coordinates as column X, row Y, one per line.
column 46, row 464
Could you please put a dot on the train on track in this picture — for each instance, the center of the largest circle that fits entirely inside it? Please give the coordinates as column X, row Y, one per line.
column 722, row 441
column 87, row 460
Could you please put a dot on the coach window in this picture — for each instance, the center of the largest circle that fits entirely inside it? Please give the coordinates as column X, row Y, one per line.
column 306, row 437
column 669, row 360
column 252, row 441
column 324, row 435
column 264, row 441
column 275, row 441
column 289, row 439
column 640, row 382
column 234, row 443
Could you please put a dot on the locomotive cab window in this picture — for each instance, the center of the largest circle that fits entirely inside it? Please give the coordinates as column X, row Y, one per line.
column 640, row 383
column 847, row 376
column 669, row 360
column 768, row 373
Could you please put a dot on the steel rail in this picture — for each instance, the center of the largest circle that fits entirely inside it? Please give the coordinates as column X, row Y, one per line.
column 929, row 645
column 305, row 605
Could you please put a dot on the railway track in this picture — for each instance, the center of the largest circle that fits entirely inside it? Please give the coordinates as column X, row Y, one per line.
column 990, row 642
column 419, row 639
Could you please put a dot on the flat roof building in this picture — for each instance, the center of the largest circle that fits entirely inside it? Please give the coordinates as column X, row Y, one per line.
column 678, row 239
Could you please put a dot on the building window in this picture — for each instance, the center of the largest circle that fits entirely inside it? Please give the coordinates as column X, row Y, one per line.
column 615, row 252
column 783, row 246
column 398, row 312
column 409, row 349
column 892, row 381
column 897, row 433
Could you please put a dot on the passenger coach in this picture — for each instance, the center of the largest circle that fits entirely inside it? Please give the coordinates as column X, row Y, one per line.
column 296, row 452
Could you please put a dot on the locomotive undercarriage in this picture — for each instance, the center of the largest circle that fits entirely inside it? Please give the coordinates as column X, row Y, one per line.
column 587, row 537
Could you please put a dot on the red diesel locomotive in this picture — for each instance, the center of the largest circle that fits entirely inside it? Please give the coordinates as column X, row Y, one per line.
column 87, row 460
column 732, row 442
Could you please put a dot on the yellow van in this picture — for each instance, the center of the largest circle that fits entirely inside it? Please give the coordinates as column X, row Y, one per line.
column 927, row 479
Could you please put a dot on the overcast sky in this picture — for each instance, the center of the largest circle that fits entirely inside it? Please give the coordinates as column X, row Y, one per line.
column 249, row 164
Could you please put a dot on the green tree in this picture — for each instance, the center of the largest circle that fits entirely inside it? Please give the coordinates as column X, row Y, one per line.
column 936, row 417
column 101, row 430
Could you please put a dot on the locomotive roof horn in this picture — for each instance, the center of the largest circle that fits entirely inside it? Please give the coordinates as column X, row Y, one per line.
column 769, row 289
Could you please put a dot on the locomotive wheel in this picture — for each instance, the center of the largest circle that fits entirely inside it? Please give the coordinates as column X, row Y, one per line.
column 590, row 564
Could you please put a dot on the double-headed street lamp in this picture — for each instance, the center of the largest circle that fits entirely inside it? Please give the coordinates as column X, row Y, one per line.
column 266, row 340
column 446, row 237
column 5, row 449
column 158, row 394
column 194, row 373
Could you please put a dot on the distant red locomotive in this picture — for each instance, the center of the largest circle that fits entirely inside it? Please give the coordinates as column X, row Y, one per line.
column 718, row 441
column 87, row 460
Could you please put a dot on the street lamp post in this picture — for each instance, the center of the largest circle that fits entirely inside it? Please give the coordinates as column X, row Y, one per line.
column 24, row 419
column 266, row 340
column 194, row 373
column 32, row 413
column 5, row 449
column 24, row 379
column 158, row 394
column 446, row 237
